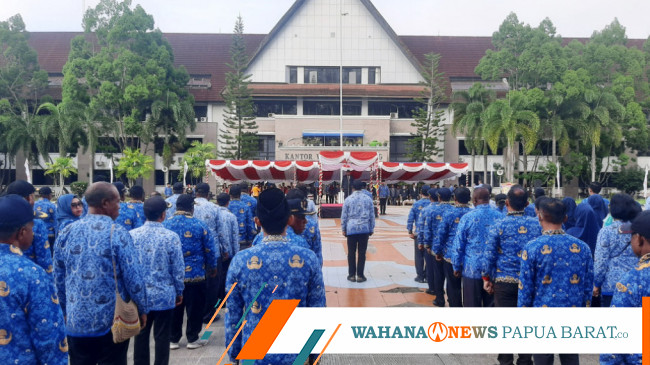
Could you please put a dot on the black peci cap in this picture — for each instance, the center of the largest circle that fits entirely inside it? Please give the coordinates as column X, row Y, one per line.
column 15, row 212
column 44, row 191
column 21, row 187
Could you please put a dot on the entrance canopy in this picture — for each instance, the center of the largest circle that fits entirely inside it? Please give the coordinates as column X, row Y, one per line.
column 359, row 163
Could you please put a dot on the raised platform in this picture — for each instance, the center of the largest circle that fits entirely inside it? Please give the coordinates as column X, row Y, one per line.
column 331, row 210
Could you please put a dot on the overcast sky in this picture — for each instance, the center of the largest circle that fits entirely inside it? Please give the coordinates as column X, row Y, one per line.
column 572, row 18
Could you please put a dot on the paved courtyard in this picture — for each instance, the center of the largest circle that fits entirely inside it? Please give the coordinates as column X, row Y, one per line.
column 390, row 274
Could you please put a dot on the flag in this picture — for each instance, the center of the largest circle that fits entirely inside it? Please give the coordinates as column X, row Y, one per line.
column 28, row 173
column 110, row 168
column 185, row 168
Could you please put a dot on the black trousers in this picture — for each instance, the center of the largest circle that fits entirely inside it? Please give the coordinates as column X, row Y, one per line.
column 382, row 205
column 438, row 281
column 193, row 304
column 330, row 199
column 565, row 359
column 97, row 350
column 505, row 295
column 216, row 289
column 429, row 270
column 161, row 321
column 454, row 286
column 419, row 260
column 474, row 295
column 357, row 242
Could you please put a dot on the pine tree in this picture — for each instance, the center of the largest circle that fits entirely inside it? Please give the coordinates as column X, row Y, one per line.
column 237, row 136
column 429, row 131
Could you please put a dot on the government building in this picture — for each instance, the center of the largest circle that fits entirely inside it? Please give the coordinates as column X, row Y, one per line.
column 295, row 85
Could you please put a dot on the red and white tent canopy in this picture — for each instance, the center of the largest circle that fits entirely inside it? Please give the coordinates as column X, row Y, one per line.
column 308, row 171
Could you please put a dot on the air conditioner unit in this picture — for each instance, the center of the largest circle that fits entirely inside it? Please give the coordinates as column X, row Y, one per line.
column 394, row 115
column 100, row 163
column 204, row 119
column 271, row 115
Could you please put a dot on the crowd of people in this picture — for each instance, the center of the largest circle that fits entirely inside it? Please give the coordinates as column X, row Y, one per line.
column 513, row 253
column 63, row 264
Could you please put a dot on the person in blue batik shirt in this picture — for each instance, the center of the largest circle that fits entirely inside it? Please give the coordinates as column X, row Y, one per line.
column 171, row 201
column 69, row 209
column 614, row 256
column 244, row 217
column 500, row 201
column 507, row 240
column 281, row 270
column 530, row 209
column 87, row 255
column 137, row 194
column 161, row 257
column 443, row 239
column 249, row 200
column 39, row 251
column 633, row 286
column 128, row 217
column 358, row 224
column 411, row 227
column 168, row 191
column 201, row 257
column 44, row 205
column 469, row 249
column 384, row 194
column 556, row 270
column 310, row 231
column 32, row 329
column 435, row 269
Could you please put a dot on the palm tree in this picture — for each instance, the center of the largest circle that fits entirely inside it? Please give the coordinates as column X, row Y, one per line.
column 64, row 121
column 511, row 119
column 134, row 164
column 196, row 157
column 24, row 132
column 63, row 167
column 469, row 108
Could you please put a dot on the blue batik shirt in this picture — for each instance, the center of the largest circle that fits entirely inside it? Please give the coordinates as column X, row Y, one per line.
column 199, row 249
column 556, row 271
column 471, row 239
column 433, row 220
column 139, row 208
column 251, row 203
column 422, row 223
column 506, row 241
column 629, row 292
column 208, row 213
column 39, row 251
column 244, row 218
column 128, row 217
column 358, row 216
column 529, row 211
column 282, row 271
column 45, row 206
column 414, row 213
column 83, row 273
column 161, row 256
column 383, row 192
column 311, row 234
column 31, row 323
column 446, row 231
column 613, row 257
column 171, row 203
column 228, row 233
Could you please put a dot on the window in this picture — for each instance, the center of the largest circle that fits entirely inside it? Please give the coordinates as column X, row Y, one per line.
column 39, row 178
column 266, row 147
column 200, row 111
column 465, row 150
column 264, row 107
column 293, row 75
column 178, row 147
column 321, row 75
column 331, row 107
column 404, row 108
column 351, row 75
column 372, row 75
column 173, row 177
column 400, row 148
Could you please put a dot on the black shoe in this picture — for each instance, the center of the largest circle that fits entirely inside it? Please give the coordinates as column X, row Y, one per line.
column 361, row 279
column 430, row 292
column 419, row 279
column 352, row 278
column 438, row 304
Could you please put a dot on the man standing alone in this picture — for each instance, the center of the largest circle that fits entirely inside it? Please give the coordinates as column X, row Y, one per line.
column 358, row 224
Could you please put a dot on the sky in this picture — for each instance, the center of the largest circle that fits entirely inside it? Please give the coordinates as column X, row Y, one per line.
column 572, row 18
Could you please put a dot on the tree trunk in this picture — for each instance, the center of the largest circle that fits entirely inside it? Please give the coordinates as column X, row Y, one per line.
column 553, row 148
column 525, row 166
column 91, row 170
column 473, row 168
column 485, row 163
column 593, row 162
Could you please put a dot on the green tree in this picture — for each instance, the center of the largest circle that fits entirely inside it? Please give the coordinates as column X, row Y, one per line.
column 65, row 121
column 469, row 107
column 63, row 167
column 629, row 179
column 125, row 72
column 513, row 120
column 22, row 84
column 195, row 157
column 238, row 139
column 429, row 131
column 134, row 164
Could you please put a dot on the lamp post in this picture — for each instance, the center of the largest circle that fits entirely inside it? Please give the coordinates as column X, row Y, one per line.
column 341, row 15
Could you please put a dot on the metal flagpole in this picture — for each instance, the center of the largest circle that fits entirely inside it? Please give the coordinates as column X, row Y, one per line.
column 110, row 168
column 28, row 173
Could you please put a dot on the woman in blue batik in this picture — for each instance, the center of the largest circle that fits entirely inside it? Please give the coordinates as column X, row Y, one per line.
column 69, row 209
column 570, row 213
column 614, row 256
column 599, row 206
column 586, row 226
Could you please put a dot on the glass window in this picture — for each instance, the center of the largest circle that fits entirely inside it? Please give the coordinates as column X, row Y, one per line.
column 351, row 75
column 293, row 75
column 321, row 75
column 404, row 108
column 200, row 111
column 173, row 141
column 372, row 73
column 266, row 147
column 400, row 148
column 264, row 107
column 464, row 149
column 331, row 107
